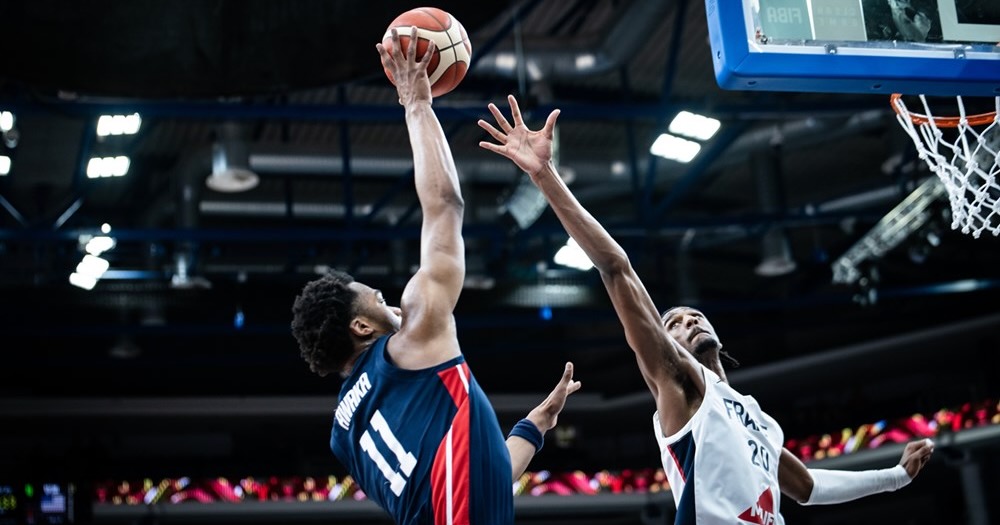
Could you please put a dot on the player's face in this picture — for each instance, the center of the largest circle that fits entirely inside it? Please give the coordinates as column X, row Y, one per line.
column 371, row 304
column 691, row 329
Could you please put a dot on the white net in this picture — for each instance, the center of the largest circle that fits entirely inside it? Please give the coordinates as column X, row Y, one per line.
column 964, row 153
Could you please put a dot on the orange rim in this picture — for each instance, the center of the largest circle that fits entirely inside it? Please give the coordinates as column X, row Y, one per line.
column 943, row 122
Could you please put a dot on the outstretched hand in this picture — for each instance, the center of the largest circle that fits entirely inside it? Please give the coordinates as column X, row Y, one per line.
column 915, row 456
column 408, row 74
column 546, row 415
column 530, row 150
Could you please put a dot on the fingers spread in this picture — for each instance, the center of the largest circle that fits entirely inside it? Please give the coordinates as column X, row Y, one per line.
column 515, row 111
column 489, row 146
column 550, row 123
column 500, row 137
column 504, row 125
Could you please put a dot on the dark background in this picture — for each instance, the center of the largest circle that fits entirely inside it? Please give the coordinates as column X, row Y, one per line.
column 139, row 378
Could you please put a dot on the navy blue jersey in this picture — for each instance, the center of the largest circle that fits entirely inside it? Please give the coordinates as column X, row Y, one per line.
column 425, row 445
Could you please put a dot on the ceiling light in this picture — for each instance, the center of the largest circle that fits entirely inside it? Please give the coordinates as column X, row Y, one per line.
column 573, row 256
column 506, row 61
column 585, row 61
column 118, row 125
column 674, row 148
column 182, row 278
column 98, row 245
column 92, row 266
column 694, row 126
column 4, row 165
column 6, row 121
column 100, row 167
column 776, row 257
column 231, row 162
column 82, row 281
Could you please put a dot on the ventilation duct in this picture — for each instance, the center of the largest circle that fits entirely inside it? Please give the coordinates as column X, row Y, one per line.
column 776, row 255
column 687, row 288
column 182, row 279
column 189, row 195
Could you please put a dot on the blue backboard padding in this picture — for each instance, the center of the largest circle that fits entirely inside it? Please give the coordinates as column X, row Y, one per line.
column 737, row 68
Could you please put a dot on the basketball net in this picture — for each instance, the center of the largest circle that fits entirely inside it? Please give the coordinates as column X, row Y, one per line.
column 964, row 153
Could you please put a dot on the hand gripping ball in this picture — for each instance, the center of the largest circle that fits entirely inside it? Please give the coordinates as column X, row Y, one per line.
column 454, row 51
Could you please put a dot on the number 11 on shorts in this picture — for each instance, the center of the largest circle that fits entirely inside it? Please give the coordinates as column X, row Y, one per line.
column 397, row 480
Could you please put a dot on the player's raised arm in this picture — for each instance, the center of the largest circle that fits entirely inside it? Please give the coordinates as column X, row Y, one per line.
column 656, row 353
column 430, row 297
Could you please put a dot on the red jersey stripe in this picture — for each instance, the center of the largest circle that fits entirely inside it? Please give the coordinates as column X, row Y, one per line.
column 680, row 468
column 450, row 476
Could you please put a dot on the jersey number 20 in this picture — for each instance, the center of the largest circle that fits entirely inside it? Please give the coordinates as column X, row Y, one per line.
column 397, row 480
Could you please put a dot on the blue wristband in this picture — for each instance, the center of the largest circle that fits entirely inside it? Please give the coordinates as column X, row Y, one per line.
column 525, row 429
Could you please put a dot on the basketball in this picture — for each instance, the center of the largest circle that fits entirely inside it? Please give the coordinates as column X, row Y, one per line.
column 454, row 51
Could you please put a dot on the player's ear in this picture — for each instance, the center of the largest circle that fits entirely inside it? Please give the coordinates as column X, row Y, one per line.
column 360, row 327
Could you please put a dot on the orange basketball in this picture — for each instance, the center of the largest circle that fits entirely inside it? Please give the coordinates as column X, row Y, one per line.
column 454, row 51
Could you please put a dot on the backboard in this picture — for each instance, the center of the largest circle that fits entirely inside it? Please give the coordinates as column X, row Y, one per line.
column 932, row 47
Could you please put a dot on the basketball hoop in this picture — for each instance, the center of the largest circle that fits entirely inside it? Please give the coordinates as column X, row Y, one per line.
column 966, row 159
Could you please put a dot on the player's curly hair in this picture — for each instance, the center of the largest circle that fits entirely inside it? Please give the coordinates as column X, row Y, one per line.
column 320, row 318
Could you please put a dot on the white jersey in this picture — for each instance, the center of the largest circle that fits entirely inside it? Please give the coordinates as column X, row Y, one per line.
column 723, row 465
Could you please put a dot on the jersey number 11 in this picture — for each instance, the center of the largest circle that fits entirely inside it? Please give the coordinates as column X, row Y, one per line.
column 397, row 480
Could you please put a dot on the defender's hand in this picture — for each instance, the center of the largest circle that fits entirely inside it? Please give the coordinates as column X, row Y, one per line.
column 530, row 150
column 546, row 415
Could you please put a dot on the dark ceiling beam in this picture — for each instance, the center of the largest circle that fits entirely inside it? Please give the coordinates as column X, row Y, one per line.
column 80, row 189
column 560, row 58
column 87, row 137
column 669, row 71
column 347, row 177
column 576, row 13
column 68, row 213
column 676, row 226
column 795, row 134
column 810, row 370
column 13, row 211
column 404, row 182
column 458, row 111
column 506, row 29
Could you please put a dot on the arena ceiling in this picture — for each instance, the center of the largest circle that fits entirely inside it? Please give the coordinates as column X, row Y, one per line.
column 299, row 86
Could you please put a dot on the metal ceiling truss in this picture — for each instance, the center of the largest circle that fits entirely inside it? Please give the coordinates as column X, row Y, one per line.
column 650, row 219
